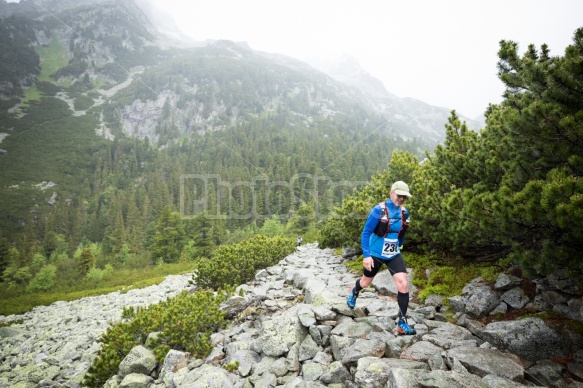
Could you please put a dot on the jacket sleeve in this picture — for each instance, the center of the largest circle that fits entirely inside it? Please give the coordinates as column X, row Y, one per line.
column 369, row 226
column 406, row 220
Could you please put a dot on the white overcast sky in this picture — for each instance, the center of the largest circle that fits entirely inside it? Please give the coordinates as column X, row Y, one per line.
column 443, row 52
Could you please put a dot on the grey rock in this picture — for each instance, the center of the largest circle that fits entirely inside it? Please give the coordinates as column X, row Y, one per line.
column 266, row 380
column 323, row 358
column 61, row 340
column 234, row 305
column 306, row 315
column 554, row 298
column 502, row 308
column 448, row 334
column 314, row 286
column 394, row 347
column 449, row 379
column 235, row 346
column 264, row 366
column 478, row 299
column 427, row 312
column 216, row 356
column 312, row 371
column 340, row 345
column 151, row 339
column 363, row 348
column 401, row 378
column 173, row 361
column 539, row 303
column 207, row 376
column 246, row 359
column 374, row 372
column 279, row 367
column 293, row 357
column 576, row 369
column 336, row 373
column 421, row 351
column 282, row 331
column 436, row 362
column 135, row 380
column 562, row 281
column 500, row 382
column 112, row 382
column 515, row 298
column 349, row 252
column 140, row 360
column 308, row 349
column 349, row 328
column 482, row 362
column 575, row 304
column 434, row 300
column 7, row 332
column 565, row 311
column 505, row 282
column 546, row 373
column 529, row 338
column 323, row 313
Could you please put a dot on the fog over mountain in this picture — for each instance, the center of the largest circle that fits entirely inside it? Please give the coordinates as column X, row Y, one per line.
column 85, row 76
column 346, row 69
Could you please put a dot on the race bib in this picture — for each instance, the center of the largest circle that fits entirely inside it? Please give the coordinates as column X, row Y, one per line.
column 390, row 247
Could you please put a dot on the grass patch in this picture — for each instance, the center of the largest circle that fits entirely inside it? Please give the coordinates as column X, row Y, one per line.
column 15, row 301
column 32, row 93
column 447, row 277
column 52, row 58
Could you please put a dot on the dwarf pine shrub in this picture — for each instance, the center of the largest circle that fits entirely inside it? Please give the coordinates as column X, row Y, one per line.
column 187, row 321
column 238, row 263
column 184, row 322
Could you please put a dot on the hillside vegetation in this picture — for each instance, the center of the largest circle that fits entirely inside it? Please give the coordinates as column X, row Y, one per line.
column 513, row 192
column 120, row 155
column 123, row 161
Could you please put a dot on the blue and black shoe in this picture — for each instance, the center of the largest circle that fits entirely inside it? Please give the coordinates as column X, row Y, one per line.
column 403, row 327
column 351, row 300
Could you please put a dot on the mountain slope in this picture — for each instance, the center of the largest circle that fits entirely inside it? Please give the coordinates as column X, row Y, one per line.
column 104, row 97
column 412, row 116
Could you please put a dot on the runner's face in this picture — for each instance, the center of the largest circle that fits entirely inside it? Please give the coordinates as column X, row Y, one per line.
column 398, row 199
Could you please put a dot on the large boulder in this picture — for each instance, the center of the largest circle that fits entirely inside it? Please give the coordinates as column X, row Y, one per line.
column 477, row 299
column 530, row 338
column 281, row 332
column 483, row 362
column 139, row 360
column 208, row 376
column 374, row 372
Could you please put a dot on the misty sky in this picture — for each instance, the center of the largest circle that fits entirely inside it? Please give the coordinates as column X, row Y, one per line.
column 443, row 52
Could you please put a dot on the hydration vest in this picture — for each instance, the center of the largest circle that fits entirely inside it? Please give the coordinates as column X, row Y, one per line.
column 384, row 225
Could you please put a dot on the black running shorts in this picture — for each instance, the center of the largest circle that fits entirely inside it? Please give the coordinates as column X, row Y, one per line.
column 395, row 265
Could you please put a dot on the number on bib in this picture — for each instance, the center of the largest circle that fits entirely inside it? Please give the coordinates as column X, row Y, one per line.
column 390, row 247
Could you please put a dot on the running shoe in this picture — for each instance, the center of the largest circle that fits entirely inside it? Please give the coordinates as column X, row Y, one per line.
column 403, row 327
column 351, row 300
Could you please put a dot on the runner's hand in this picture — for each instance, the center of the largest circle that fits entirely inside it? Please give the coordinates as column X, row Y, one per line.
column 368, row 263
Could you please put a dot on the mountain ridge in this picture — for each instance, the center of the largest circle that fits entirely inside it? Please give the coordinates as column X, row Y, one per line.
column 96, row 75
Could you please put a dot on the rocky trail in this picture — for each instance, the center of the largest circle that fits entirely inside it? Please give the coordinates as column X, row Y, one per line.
column 292, row 328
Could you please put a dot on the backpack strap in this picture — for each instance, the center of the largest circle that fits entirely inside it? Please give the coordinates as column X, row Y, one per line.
column 383, row 206
column 383, row 226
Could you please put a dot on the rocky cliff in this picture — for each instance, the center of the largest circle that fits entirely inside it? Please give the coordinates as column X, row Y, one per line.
column 292, row 328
